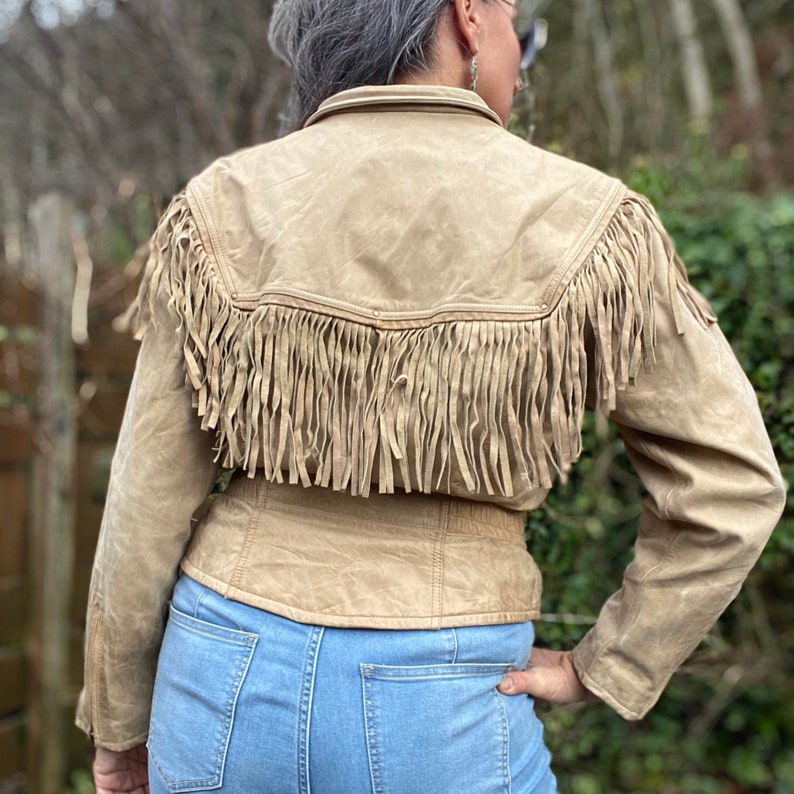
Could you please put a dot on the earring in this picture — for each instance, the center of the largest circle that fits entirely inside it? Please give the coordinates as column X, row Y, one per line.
column 473, row 71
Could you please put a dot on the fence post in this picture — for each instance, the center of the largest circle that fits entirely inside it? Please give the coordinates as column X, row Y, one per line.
column 52, row 509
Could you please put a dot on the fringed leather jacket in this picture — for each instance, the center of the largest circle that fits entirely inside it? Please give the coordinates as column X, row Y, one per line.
column 390, row 324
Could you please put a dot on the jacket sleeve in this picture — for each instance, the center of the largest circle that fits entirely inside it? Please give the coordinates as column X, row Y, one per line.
column 693, row 431
column 162, row 471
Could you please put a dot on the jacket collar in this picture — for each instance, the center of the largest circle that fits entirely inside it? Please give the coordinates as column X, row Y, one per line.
column 404, row 97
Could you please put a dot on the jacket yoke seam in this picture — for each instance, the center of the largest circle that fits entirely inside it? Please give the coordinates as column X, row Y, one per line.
column 214, row 244
column 562, row 273
column 589, row 238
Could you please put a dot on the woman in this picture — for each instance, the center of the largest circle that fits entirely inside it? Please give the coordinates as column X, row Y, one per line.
column 389, row 323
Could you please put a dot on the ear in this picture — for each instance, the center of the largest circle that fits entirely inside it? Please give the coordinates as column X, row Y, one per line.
column 467, row 17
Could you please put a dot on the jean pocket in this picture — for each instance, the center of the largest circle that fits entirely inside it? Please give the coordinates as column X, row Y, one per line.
column 440, row 728
column 199, row 676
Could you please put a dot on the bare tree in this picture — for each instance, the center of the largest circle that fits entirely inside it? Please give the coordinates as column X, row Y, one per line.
column 605, row 74
column 135, row 103
column 694, row 70
column 740, row 46
column 748, row 87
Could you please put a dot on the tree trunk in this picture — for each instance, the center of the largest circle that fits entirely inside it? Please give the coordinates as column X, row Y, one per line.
column 52, row 526
column 748, row 86
column 740, row 47
column 693, row 62
column 652, row 103
column 605, row 75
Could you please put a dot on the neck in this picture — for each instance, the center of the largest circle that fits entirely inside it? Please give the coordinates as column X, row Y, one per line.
column 450, row 62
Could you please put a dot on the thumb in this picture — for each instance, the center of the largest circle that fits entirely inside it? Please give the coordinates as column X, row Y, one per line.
column 534, row 681
column 549, row 676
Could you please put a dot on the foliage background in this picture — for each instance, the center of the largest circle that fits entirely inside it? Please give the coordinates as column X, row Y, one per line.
column 116, row 104
column 726, row 722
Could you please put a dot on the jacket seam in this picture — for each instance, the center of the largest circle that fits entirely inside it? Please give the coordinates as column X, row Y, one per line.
column 248, row 301
column 401, row 103
column 245, row 550
column 216, row 251
column 575, row 257
column 95, row 653
column 438, row 566
column 580, row 251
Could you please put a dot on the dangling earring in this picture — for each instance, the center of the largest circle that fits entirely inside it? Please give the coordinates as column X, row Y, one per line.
column 473, row 71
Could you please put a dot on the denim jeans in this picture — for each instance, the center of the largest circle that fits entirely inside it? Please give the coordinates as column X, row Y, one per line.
column 246, row 702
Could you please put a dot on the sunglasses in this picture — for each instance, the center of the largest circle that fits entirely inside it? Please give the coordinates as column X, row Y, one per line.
column 531, row 32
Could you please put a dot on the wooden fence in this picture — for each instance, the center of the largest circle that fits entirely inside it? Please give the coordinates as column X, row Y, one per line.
column 18, row 318
column 102, row 370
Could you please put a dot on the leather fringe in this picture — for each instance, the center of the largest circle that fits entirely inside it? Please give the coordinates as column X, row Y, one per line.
column 328, row 401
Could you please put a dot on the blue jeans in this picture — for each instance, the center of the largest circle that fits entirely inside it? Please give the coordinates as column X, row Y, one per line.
column 247, row 702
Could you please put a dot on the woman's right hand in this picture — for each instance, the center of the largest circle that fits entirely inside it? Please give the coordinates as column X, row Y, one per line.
column 125, row 772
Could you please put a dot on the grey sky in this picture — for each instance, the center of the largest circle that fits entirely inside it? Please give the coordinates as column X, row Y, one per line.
column 50, row 13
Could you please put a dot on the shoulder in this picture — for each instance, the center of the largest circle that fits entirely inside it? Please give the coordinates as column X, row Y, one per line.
column 237, row 173
column 529, row 161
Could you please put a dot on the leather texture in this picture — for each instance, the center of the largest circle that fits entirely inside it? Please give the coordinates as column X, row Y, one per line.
column 390, row 323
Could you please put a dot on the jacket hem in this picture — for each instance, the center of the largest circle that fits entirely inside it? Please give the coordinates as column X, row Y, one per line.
column 99, row 740
column 631, row 714
column 445, row 621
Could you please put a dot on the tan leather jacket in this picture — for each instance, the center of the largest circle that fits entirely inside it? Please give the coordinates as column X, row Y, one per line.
column 407, row 306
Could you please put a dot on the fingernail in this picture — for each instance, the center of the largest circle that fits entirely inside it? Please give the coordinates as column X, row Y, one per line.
column 506, row 685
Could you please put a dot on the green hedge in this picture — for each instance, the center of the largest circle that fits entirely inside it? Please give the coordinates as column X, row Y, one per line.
column 726, row 722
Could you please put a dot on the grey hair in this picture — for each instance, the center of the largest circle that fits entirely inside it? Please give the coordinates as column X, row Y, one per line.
column 332, row 45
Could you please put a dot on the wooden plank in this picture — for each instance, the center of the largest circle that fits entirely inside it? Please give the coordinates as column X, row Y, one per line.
column 16, row 440
column 19, row 383
column 107, row 355
column 13, row 488
column 12, row 674
column 19, row 304
column 112, row 291
column 101, row 417
column 17, row 368
column 76, row 648
column 79, row 600
column 93, row 470
column 12, row 746
column 89, row 519
column 13, row 610
column 80, row 747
